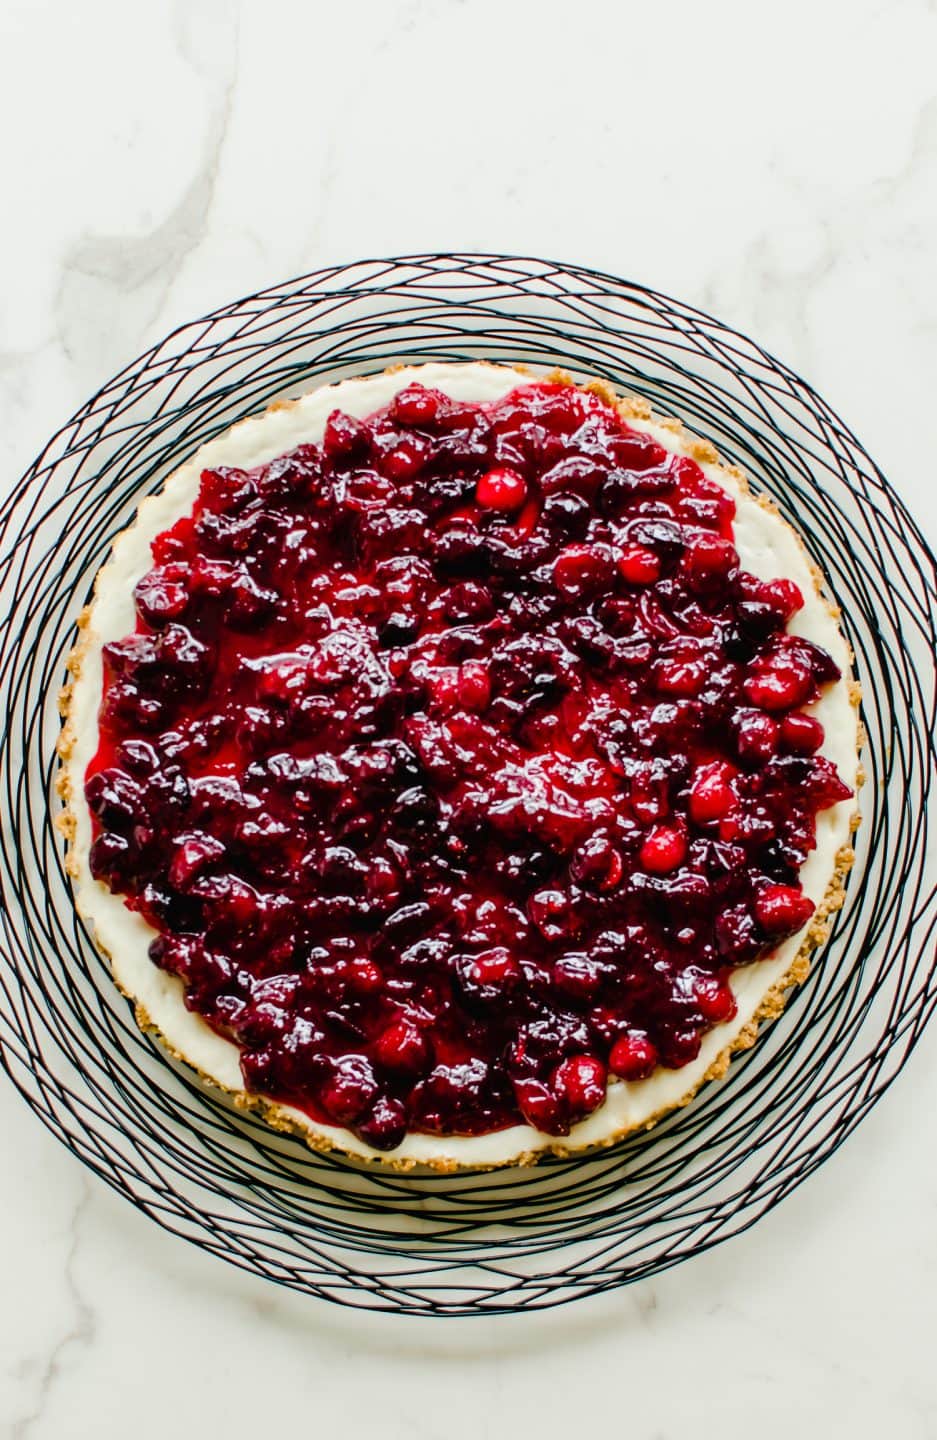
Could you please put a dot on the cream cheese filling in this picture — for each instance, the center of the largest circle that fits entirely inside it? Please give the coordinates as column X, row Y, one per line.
column 767, row 547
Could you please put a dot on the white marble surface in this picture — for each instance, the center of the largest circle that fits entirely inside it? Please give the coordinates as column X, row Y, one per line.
column 777, row 165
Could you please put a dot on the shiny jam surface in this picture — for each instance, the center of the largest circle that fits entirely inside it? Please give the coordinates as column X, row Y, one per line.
column 457, row 763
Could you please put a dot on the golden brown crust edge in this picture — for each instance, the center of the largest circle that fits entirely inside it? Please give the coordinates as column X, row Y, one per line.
column 772, row 1003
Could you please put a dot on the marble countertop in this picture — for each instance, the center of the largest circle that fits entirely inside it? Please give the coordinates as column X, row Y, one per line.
column 776, row 167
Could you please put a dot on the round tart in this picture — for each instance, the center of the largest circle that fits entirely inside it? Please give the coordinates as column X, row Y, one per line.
column 458, row 764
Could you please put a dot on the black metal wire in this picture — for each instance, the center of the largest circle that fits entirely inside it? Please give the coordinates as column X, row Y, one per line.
column 514, row 1239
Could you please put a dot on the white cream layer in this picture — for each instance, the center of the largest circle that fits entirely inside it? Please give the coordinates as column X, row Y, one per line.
column 767, row 547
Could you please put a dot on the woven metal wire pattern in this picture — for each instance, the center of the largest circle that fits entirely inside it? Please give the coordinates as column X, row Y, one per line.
column 513, row 1239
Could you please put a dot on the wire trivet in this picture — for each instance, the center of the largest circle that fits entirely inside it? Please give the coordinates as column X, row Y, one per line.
column 450, row 1245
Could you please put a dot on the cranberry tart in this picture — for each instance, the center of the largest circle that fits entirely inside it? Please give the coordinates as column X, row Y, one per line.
column 458, row 764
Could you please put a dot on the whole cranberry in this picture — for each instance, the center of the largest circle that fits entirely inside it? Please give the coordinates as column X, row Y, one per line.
column 405, row 459
column 678, row 1044
column 109, row 859
column 162, row 594
column 226, row 489
column 714, row 998
column 683, row 676
column 114, row 798
column 575, row 474
column 708, row 559
column 737, row 939
column 782, row 909
column 402, row 1047
column 137, row 757
column 578, row 976
column 635, row 451
column 663, row 849
column 711, row 793
column 639, row 565
column 813, row 657
column 496, row 966
column 385, row 1126
column 501, row 489
column 823, row 783
column 581, row 570
column 783, row 596
column 801, row 734
column 633, row 1056
column 579, row 1080
column 349, row 1090
column 779, row 684
column 344, row 436
column 415, row 405
column 192, row 855
column 756, row 735
column 539, row 1105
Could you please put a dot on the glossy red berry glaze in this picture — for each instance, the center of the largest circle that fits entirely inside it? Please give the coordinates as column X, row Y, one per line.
column 457, row 763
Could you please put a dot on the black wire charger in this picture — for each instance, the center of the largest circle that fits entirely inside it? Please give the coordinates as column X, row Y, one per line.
column 513, row 1239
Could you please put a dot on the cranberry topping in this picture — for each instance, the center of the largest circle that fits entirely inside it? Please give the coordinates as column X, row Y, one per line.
column 458, row 764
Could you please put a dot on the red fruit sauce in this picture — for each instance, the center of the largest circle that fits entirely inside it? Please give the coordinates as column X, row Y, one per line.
column 457, row 762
